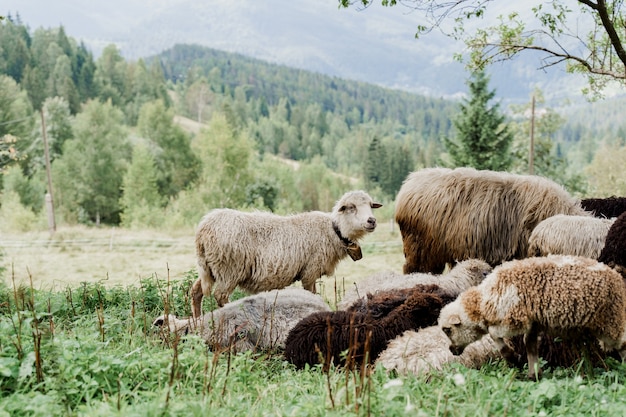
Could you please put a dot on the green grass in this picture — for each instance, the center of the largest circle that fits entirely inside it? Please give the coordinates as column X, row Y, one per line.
column 91, row 351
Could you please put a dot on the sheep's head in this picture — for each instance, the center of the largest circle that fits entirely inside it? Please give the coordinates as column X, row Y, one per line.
column 353, row 215
column 474, row 270
column 174, row 324
column 460, row 329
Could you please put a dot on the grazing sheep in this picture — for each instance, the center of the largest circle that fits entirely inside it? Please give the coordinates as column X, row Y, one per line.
column 604, row 207
column 420, row 352
column 614, row 252
column 259, row 321
column 569, row 235
column 263, row 251
column 448, row 215
column 523, row 297
column 463, row 275
column 363, row 332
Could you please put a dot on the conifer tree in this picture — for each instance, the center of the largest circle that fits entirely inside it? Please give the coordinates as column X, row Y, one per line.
column 482, row 138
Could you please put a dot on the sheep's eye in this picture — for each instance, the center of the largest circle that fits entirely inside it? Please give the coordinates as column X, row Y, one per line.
column 447, row 330
column 242, row 335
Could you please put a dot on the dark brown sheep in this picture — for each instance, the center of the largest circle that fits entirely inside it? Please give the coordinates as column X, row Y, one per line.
column 604, row 207
column 614, row 252
column 350, row 338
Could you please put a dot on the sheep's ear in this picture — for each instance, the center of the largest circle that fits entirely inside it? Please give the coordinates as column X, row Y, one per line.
column 376, row 205
column 454, row 319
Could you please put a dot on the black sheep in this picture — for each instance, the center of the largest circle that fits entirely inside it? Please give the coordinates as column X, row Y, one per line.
column 614, row 252
column 350, row 338
column 604, row 207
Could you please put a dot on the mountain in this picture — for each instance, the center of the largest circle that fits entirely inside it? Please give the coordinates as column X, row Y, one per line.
column 374, row 45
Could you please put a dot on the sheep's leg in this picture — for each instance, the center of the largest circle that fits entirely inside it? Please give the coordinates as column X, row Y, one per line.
column 309, row 284
column 200, row 289
column 532, row 352
column 196, row 296
column 223, row 290
column 507, row 352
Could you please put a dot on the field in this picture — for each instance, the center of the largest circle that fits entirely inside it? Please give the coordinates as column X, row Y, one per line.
column 76, row 339
column 113, row 256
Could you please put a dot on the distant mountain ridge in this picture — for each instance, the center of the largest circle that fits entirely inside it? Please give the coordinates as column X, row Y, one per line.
column 376, row 45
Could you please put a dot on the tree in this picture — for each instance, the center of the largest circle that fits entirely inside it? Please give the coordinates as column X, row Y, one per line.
column 16, row 122
column 110, row 75
column 482, row 138
column 588, row 35
column 57, row 117
column 548, row 159
column 225, row 157
column 198, row 98
column 177, row 165
column 14, row 50
column 606, row 172
column 141, row 202
column 88, row 176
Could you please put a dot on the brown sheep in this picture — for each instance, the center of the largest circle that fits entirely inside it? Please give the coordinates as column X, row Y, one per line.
column 557, row 293
column 449, row 215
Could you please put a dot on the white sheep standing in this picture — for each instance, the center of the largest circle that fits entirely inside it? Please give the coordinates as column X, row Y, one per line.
column 569, row 235
column 261, row 251
column 260, row 321
column 463, row 275
column 523, row 297
column 428, row 349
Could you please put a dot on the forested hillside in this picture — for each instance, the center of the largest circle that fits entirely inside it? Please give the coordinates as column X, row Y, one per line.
column 118, row 157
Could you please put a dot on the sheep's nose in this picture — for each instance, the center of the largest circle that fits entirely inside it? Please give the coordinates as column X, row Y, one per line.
column 371, row 221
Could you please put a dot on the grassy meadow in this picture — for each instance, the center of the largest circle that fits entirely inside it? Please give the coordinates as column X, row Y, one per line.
column 76, row 340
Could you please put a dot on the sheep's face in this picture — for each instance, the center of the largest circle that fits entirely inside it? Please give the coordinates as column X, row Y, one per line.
column 354, row 216
column 475, row 269
column 173, row 324
column 458, row 327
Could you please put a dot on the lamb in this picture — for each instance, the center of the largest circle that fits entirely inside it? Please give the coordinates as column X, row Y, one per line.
column 425, row 350
column 448, row 215
column 569, row 235
column 363, row 331
column 463, row 275
column 604, row 207
column 262, row 251
column 523, row 297
column 257, row 322
column 614, row 251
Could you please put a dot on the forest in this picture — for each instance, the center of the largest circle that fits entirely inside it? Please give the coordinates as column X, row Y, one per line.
column 159, row 141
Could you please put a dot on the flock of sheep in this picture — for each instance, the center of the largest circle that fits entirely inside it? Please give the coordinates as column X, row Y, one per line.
column 497, row 265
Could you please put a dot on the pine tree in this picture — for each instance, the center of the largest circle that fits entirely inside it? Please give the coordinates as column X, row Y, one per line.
column 482, row 138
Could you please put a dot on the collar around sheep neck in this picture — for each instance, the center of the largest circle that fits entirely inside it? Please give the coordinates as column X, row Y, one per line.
column 344, row 239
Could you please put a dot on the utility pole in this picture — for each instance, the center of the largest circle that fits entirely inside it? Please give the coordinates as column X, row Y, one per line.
column 49, row 200
column 531, row 151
